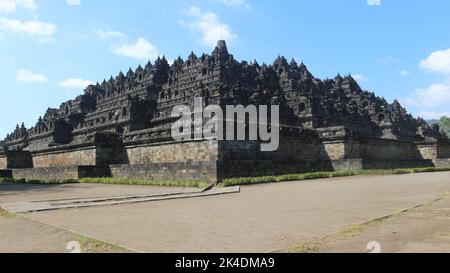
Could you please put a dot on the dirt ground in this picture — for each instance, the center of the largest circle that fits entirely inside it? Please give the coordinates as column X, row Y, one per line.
column 21, row 193
column 421, row 230
column 265, row 218
column 23, row 235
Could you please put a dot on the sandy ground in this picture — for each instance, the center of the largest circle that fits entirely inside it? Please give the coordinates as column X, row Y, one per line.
column 262, row 218
column 21, row 193
column 421, row 230
column 18, row 235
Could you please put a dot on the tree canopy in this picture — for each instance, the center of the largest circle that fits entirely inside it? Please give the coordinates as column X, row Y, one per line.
column 444, row 124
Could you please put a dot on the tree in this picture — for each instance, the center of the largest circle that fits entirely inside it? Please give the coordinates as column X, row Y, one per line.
column 444, row 124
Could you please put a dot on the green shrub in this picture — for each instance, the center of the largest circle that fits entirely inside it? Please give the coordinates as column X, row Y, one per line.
column 120, row 181
column 319, row 175
column 37, row 182
column 176, row 183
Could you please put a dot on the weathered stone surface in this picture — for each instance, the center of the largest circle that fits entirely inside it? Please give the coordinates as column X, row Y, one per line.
column 3, row 162
column 126, row 121
column 15, row 159
column 6, row 174
column 173, row 152
column 61, row 173
column 442, row 162
column 190, row 170
column 66, row 158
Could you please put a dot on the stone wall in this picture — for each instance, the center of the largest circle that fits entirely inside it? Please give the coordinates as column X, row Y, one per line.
column 434, row 150
column 347, row 164
column 428, row 150
column 395, row 164
column 111, row 155
column 204, row 171
column 335, row 150
column 81, row 157
column 290, row 149
column 294, row 155
column 212, row 161
column 3, row 162
column 192, row 151
column 372, row 149
column 6, row 174
column 442, row 162
column 109, row 149
column 439, row 153
column 244, row 159
column 250, row 168
column 16, row 159
column 254, row 168
column 61, row 173
column 370, row 164
column 189, row 160
column 298, row 149
column 443, row 150
column 386, row 149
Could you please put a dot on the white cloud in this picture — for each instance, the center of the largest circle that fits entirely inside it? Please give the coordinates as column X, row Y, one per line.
column 24, row 75
column 73, row 2
column 404, row 72
column 432, row 101
column 110, row 34
column 209, row 25
column 431, row 97
column 235, row 3
column 360, row 77
column 8, row 6
column 433, row 115
column 193, row 11
column 44, row 31
column 374, row 2
column 387, row 59
column 141, row 50
column 75, row 83
column 438, row 61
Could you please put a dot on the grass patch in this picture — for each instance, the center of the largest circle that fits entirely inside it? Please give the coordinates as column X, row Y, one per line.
column 356, row 230
column 38, row 182
column 142, row 182
column 115, row 181
column 319, row 175
column 350, row 232
column 307, row 247
column 89, row 245
column 315, row 246
column 226, row 182
column 6, row 214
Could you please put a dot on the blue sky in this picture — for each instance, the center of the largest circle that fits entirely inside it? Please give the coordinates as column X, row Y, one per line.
column 50, row 49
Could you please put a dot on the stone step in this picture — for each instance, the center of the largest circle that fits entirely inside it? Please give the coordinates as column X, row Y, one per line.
column 28, row 207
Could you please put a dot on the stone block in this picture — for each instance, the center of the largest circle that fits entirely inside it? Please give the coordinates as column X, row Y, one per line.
column 6, row 174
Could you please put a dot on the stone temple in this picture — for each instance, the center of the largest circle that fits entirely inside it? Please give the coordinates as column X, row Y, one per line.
column 122, row 127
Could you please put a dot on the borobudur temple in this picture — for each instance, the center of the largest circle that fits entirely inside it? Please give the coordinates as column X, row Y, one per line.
column 122, row 127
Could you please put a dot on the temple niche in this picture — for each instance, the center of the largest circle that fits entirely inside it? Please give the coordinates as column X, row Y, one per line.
column 126, row 120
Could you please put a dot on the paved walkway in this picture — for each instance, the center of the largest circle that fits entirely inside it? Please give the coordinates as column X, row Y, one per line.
column 18, row 235
column 425, row 229
column 37, row 206
column 262, row 218
column 23, row 193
